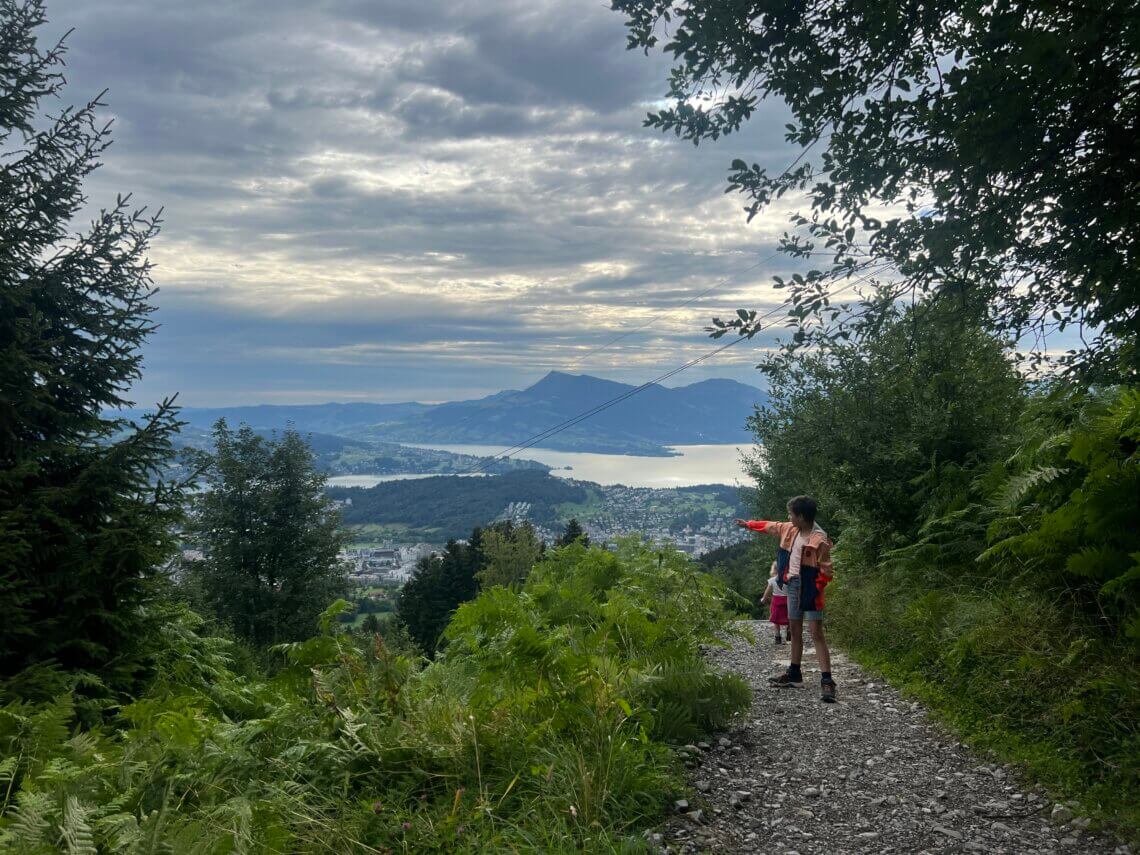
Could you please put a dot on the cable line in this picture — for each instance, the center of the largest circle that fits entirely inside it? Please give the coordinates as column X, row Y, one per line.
column 681, row 305
column 783, row 173
column 568, row 423
column 574, row 362
column 581, row 417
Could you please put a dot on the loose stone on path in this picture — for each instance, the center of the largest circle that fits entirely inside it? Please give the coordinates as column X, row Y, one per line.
column 868, row 774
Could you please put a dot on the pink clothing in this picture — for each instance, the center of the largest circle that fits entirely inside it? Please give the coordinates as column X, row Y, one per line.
column 796, row 555
column 778, row 614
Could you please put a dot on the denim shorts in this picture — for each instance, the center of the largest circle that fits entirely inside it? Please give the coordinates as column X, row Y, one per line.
column 796, row 611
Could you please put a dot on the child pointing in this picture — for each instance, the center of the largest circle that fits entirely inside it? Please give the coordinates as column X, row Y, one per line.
column 803, row 564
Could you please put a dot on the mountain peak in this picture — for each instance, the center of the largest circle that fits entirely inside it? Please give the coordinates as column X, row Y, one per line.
column 720, row 383
column 564, row 380
column 591, row 412
column 552, row 376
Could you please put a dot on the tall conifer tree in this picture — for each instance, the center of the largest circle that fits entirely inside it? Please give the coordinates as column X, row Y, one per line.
column 85, row 520
column 573, row 532
column 440, row 584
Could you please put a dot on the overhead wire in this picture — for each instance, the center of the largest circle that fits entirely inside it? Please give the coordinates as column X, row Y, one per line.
column 581, row 417
column 552, row 431
column 574, row 362
column 531, row 441
column 783, row 174
column 681, row 305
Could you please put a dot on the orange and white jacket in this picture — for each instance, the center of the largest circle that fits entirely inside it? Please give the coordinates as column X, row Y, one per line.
column 815, row 559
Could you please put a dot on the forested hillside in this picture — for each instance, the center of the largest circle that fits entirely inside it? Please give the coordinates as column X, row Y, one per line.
column 452, row 506
column 444, row 507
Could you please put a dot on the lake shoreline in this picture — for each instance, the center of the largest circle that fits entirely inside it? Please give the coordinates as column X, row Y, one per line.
column 687, row 466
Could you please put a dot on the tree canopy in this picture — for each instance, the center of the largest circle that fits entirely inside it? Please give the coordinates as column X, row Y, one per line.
column 985, row 151
column 270, row 537
column 883, row 430
column 510, row 552
column 438, row 586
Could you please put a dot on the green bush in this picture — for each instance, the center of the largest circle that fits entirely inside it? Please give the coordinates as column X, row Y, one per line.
column 1068, row 509
column 744, row 568
column 542, row 726
column 882, row 433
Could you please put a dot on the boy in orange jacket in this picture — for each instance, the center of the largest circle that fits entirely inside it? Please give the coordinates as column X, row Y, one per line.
column 803, row 565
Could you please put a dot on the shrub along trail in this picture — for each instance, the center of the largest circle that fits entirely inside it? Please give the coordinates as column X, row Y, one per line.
column 871, row 773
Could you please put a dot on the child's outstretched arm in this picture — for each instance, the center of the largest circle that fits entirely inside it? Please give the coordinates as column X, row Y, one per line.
column 776, row 529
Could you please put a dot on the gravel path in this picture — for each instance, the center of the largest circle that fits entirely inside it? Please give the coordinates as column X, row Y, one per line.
column 871, row 773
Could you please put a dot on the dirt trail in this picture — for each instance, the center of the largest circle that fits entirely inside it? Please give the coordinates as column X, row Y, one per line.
column 871, row 773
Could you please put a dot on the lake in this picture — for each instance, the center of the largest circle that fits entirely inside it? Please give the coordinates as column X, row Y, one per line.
column 372, row 480
column 694, row 464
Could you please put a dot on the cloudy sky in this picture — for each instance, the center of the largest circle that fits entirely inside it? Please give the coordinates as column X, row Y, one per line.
column 392, row 200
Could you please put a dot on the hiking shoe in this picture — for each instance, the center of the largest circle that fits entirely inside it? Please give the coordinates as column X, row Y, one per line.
column 779, row 640
column 827, row 692
column 786, row 681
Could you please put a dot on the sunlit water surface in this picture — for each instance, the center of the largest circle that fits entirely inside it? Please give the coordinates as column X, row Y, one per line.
column 694, row 464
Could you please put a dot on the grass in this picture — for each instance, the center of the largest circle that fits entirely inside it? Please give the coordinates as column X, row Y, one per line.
column 359, row 618
column 368, row 535
column 1014, row 674
column 594, row 504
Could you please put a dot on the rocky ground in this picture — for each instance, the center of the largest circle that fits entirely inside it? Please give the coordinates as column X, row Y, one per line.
column 871, row 773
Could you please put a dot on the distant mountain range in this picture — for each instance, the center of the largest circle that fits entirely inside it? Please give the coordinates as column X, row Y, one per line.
column 711, row 411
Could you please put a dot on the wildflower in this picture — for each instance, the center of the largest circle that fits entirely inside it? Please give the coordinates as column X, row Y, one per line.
column 377, row 806
column 573, row 811
column 407, row 826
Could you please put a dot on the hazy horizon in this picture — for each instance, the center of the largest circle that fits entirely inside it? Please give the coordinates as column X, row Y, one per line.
column 428, row 402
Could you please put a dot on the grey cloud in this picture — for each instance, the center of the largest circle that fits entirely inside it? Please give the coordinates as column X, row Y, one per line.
column 432, row 114
column 214, row 356
column 476, row 170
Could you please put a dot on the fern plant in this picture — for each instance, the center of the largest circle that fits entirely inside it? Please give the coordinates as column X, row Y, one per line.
column 1069, row 508
column 541, row 727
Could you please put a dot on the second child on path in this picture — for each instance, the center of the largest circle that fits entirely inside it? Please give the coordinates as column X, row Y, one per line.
column 778, row 613
column 803, row 564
